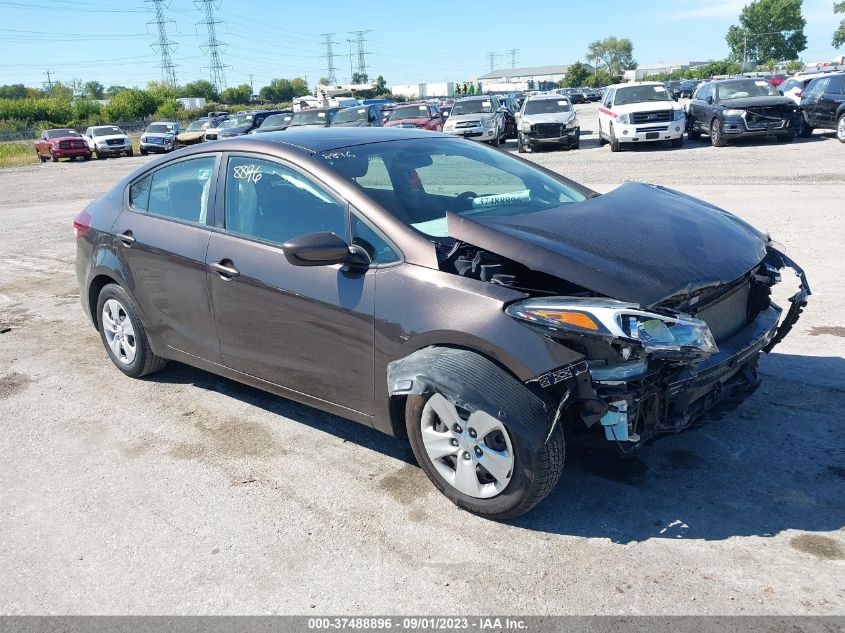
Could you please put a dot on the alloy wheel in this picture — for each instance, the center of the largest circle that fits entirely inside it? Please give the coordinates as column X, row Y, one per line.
column 472, row 451
column 840, row 129
column 119, row 332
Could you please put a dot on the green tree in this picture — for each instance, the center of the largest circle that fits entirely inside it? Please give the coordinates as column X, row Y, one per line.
column 130, row 105
column 85, row 109
column 200, row 88
column 324, row 81
column 768, row 29
column 300, row 87
column 602, row 78
column 360, row 78
column 168, row 110
column 61, row 91
column 576, row 75
column 381, row 85
column 162, row 91
column 240, row 95
column 13, row 91
column 839, row 33
column 277, row 91
column 113, row 90
column 613, row 54
column 93, row 90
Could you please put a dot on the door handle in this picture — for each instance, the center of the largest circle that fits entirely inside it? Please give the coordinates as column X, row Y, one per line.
column 127, row 238
column 225, row 269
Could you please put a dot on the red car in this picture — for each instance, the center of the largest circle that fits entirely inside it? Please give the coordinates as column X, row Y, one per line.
column 418, row 115
column 62, row 143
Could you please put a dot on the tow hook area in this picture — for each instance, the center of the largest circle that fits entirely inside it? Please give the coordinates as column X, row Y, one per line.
column 615, row 423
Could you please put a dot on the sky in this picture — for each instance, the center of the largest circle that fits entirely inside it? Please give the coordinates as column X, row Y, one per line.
column 409, row 41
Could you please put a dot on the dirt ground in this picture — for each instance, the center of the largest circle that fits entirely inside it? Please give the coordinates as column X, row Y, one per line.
column 186, row 493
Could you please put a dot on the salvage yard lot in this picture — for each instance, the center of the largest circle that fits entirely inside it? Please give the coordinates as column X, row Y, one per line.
column 188, row 493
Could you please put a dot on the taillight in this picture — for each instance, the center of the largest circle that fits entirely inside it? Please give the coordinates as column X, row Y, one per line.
column 81, row 223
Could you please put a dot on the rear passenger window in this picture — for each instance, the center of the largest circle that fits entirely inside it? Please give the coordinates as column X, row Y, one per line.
column 273, row 203
column 179, row 192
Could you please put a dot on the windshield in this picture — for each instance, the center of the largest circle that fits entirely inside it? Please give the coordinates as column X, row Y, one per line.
column 420, row 180
column 238, row 121
column 61, row 133
column 277, row 120
column 196, row 126
column 309, row 117
column 547, row 106
column 473, row 106
column 789, row 84
column 639, row 94
column 160, row 129
column 106, row 131
column 350, row 115
column 408, row 112
column 746, row 88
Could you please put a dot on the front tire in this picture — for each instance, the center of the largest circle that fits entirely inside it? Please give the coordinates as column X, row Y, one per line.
column 53, row 157
column 520, row 145
column 477, row 462
column 716, row 138
column 123, row 334
column 614, row 142
column 678, row 142
column 840, row 128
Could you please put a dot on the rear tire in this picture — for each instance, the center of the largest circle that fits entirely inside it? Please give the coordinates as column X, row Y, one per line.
column 123, row 334
column 533, row 475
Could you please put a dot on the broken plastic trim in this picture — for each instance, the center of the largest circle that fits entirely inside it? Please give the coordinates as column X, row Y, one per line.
column 798, row 300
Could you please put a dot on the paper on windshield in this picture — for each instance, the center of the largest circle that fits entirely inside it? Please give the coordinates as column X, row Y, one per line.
column 562, row 103
column 501, row 199
column 321, row 115
column 659, row 89
column 422, row 108
column 762, row 84
column 362, row 110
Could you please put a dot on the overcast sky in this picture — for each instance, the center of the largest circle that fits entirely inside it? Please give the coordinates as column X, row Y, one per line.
column 410, row 41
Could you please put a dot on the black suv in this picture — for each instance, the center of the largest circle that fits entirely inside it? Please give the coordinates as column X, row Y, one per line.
column 688, row 87
column 733, row 108
column 823, row 105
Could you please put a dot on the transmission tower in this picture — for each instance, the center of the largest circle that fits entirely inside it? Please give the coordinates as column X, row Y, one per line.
column 164, row 46
column 513, row 53
column 491, row 60
column 360, row 40
column 212, row 45
column 331, row 71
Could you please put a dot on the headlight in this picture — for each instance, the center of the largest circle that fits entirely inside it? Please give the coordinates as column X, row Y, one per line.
column 624, row 118
column 525, row 126
column 677, row 115
column 733, row 112
column 666, row 336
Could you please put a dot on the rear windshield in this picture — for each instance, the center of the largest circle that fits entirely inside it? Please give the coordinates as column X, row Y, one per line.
column 160, row 129
column 237, row 121
column 547, row 106
column 746, row 88
column 196, row 126
column 277, row 120
column 310, row 117
column 419, row 180
column 106, row 131
column 639, row 94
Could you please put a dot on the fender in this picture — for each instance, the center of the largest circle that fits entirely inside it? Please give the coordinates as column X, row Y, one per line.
column 472, row 382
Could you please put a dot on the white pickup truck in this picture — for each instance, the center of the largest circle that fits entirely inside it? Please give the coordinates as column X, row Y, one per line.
column 640, row 112
column 108, row 140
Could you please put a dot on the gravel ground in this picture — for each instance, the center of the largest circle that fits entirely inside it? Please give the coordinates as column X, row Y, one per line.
column 187, row 493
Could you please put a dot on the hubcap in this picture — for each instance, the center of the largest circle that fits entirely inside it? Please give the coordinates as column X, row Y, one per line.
column 473, row 452
column 120, row 335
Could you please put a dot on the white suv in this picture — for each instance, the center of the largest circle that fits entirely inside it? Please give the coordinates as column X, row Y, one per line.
column 640, row 112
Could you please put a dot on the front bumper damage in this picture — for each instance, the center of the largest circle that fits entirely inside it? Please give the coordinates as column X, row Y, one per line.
column 634, row 402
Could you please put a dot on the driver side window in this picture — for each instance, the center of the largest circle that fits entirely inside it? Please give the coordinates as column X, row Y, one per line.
column 273, row 203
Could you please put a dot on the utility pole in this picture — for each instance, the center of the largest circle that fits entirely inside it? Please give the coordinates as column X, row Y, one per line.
column 331, row 71
column 351, row 72
column 164, row 46
column 513, row 53
column 212, row 45
column 362, row 54
column 491, row 60
column 49, row 83
column 251, row 85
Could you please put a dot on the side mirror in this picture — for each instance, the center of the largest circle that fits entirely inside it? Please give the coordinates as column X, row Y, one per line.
column 675, row 97
column 780, row 92
column 323, row 249
column 710, row 100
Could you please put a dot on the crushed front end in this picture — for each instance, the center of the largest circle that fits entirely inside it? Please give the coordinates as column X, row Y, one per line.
column 647, row 373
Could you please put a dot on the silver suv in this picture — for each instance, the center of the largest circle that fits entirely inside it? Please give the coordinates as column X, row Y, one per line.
column 481, row 117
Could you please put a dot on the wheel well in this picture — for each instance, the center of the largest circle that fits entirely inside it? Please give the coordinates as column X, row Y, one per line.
column 97, row 285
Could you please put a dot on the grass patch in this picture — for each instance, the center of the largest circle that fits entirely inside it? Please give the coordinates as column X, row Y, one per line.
column 16, row 154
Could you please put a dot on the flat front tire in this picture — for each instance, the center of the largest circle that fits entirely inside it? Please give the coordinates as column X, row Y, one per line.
column 477, row 461
column 123, row 334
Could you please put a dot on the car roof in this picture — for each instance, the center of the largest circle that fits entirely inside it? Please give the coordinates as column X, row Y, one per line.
column 473, row 98
column 162, row 123
column 322, row 139
column 547, row 97
column 637, row 83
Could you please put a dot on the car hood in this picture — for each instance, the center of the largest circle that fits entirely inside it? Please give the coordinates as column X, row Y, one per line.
column 639, row 243
column 65, row 138
column 550, row 117
column 417, row 121
column 646, row 106
column 454, row 118
column 235, row 131
column 352, row 124
column 191, row 134
column 110, row 137
column 749, row 102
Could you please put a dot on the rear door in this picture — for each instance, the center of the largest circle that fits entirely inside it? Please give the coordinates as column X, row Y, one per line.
column 829, row 101
column 309, row 329
column 811, row 101
column 162, row 238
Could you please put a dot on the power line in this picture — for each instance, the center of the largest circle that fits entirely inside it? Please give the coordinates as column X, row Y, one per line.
column 164, row 46
column 513, row 53
column 331, row 71
column 360, row 41
column 212, row 45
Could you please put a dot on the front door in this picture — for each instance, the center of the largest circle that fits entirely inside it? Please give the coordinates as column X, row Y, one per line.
column 162, row 238
column 308, row 329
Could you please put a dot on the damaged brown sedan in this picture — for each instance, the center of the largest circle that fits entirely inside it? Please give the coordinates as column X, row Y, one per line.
column 435, row 289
